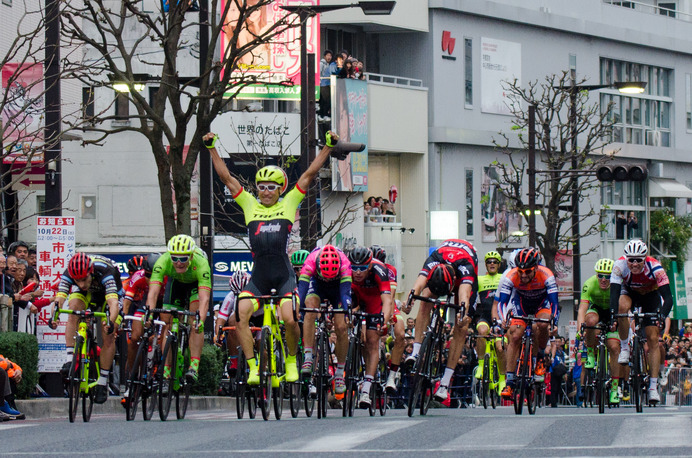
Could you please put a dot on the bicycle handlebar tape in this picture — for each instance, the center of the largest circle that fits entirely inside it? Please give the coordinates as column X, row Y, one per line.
column 211, row 142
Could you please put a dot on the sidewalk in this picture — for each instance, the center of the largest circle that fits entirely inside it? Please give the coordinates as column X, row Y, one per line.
column 57, row 407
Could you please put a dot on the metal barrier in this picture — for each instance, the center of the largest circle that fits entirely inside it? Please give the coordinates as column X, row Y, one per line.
column 675, row 386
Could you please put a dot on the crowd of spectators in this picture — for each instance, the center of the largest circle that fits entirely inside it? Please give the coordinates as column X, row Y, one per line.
column 341, row 65
column 375, row 207
column 19, row 283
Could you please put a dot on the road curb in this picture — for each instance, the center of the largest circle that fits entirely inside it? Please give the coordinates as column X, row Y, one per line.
column 57, row 407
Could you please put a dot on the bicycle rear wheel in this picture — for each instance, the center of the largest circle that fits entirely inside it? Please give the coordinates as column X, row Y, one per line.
column 182, row 397
column 265, row 385
column 241, row 384
column 165, row 399
column 135, row 381
column 278, row 392
column 151, row 391
column 601, row 379
column 74, row 378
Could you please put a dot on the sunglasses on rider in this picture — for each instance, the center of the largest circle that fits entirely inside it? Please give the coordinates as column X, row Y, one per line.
column 180, row 259
column 527, row 271
column 635, row 260
column 362, row 268
column 268, row 187
column 492, row 261
column 604, row 276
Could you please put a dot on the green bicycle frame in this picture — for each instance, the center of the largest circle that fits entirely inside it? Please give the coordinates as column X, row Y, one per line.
column 83, row 332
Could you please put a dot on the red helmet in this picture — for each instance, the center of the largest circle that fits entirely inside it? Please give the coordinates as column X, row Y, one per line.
column 80, row 266
column 328, row 262
column 441, row 280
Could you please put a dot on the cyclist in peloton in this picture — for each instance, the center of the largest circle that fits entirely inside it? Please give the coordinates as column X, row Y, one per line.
column 594, row 308
column 269, row 221
column 92, row 281
column 227, row 315
column 483, row 317
column 461, row 255
column 134, row 264
column 371, row 294
column 536, row 294
column 188, row 286
column 326, row 274
column 638, row 280
column 397, row 352
column 297, row 260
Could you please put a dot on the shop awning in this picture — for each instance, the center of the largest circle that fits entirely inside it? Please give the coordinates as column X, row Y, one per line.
column 668, row 187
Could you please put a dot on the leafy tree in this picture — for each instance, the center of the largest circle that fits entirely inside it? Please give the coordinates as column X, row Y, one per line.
column 120, row 40
column 673, row 233
column 555, row 151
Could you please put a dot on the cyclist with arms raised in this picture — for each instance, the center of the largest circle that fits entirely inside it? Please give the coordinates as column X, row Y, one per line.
column 371, row 294
column 269, row 222
column 536, row 294
column 92, row 281
column 189, row 285
column 594, row 308
column 326, row 274
column 461, row 255
column 639, row 280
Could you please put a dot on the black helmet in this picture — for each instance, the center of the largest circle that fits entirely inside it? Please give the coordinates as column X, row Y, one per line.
column 360, row 256
column 527, row 258
column 136, row 263
column 441, row 280
column 378, row 253
column 151, row 260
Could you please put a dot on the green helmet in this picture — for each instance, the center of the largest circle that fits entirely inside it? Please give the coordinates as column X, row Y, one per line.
column 604, row 266
column 298, row 257
column 274, row 174
column 493, row 255
column 181, row 244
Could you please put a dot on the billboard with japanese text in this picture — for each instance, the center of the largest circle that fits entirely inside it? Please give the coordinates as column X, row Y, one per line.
column 272, row 134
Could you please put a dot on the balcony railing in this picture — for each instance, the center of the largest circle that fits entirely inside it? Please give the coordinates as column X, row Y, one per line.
column 651, row 9
column 393, row 80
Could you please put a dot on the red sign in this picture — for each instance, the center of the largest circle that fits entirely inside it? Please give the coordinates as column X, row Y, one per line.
column 448, row 42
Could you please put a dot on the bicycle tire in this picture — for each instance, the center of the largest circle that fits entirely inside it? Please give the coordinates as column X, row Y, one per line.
column 264, row 390
column 182, row 398
column 91, row 368
column 251, row 403
column 165, row 400
column 496, row 382
column 602, row 379
column 278, row 392
column 240, row 384
column 434, row 364
column 485, row 380
column 531, row 397
column 74, row 381
column 419, row 374
column 294, row 390
column 588, row 390
column 134, row 382
column 151, row 392
column 518, row 397
column 637, row 376
column 321, row 377
column 383, row 376
column 351, row 376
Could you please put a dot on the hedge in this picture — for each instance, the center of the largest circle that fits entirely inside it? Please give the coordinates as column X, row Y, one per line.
column 210, row 369
column 22, row 348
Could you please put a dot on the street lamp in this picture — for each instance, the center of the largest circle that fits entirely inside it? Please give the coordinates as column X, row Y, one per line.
column 308, row 222
column 628, row 87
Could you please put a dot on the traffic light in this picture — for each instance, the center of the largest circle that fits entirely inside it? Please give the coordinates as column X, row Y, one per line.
column 622, row 172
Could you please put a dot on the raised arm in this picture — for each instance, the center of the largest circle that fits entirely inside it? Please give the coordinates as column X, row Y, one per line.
column 220, row 166
column 306, row 178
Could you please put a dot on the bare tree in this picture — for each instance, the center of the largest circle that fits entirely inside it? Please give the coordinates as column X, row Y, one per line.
column 120, row 41
column 556, row 179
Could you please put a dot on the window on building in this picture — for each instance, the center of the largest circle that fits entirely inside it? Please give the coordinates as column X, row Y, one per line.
column 468, row 71
column 122, row 106
column 620, row 3
column 667, row 8
column 153, row 90
column 642, row 119
column 87, row 102
column 623, row 210
column 40, row 205
column 688, row 100
column 469, row 202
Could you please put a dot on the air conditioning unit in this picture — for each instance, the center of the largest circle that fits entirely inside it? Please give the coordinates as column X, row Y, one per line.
column 653, row 138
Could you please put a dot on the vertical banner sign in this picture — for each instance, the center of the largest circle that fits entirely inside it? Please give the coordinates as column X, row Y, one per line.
column 350, row 121
column 572, row 339
column 55, row 245
column 500, row 61
column 676, row 277
column 564, row 271
column 22, row 112
column 272, row 64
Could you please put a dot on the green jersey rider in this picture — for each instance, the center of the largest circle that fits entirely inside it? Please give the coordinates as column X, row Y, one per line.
column 269, row 221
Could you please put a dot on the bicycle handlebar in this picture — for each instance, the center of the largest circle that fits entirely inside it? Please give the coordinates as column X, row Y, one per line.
column 532, row 319
column 437, row 301
column 142, row 319
column 83, row 313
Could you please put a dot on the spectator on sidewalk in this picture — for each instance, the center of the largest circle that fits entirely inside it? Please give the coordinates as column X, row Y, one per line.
column 22, row 298
column 6, row 294
column 20, row 249
column 576, row 378
column 558, row 369
column 32, row 259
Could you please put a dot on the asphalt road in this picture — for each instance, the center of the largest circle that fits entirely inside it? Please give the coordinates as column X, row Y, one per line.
column 558, row 432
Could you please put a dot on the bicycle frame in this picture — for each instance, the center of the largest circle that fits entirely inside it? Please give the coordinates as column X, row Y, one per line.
column 525, row 370
column 601, row 380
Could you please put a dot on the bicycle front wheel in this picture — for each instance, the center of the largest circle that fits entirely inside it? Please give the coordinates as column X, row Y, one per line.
column 352, row 374
column 135, row 381
column 485, row 381
column 433, row 363
column 322, row 378
column 637, row 376
column 166, row 385
column 91, row 372
column 383, row 372
column 182, row 397
column 74, row 379
column 151, row 390
column 601, row 379
column 265, row 369
column 280, row 370
column 420, row 372
column 241, row 384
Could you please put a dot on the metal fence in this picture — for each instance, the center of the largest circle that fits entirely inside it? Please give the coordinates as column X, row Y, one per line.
column 675, row 386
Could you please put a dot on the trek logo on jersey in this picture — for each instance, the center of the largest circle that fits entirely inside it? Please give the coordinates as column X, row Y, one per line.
column 268, row 228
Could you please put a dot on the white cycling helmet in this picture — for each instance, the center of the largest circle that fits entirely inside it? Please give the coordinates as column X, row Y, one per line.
column 636, row 248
